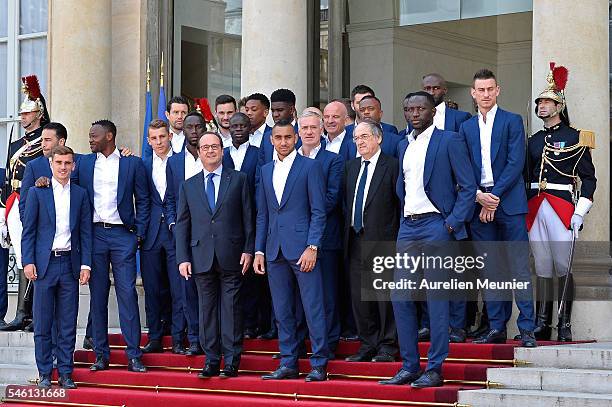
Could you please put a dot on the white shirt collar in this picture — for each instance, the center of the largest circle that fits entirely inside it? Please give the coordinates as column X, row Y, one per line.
column 288, row 160
column 313, row 152
column 157, row 158
column 261, row 128
column 374, row 159
column 339, row 137
column 423, row 135
column 55, row 184
column 115, row 153
column 241, row 147
column 490, row 114
column 441, row 108
column 216, row 171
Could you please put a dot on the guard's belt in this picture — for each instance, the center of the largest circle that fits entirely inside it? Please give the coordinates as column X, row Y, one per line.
column 550, row 185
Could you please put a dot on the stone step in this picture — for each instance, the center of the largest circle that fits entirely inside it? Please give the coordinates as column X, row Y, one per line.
column 17, row 374
column 553, row 379
column 17, row 355
column 532, row 398
column 17, row 339
column 577, row 356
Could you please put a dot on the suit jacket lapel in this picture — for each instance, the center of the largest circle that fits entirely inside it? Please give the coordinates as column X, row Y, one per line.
column 377, row 177
column 74, row 208
column 250, row 158
column 498, row 123
column 202, row 190
column 353, row 174
column 89, row 171
column 430, row 156
column 123, row 169
column 291, row 178
column 224, row 182
column 449, row 119
column 227, row 159
column 48, row 194
column 266, row 175
column 474, row 141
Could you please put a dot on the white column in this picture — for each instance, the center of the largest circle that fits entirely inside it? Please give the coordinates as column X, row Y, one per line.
column 80, row 66
column 274, row 47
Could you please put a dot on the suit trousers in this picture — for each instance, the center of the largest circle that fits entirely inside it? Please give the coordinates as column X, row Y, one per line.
column 56, row 299
column 190, row 309
column 220, row 314
column 158, row 265
column 374, row 319
column 114, row 247
column 286, row 280
column 506, row 243
column 415, row 237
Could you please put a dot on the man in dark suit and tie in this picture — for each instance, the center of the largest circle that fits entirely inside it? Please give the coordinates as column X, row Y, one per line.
column 243, row 156
column 313, row 146
column 116, row 186
column 496, row 143
column 371, row 216
column 432, row 163
column 57, row 237
column 181, row 167
column 290, row 226
column 215, row 237
column 158, row 255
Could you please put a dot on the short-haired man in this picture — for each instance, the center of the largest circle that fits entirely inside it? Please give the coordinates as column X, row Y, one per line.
column 335, row 119
column 496, row 143
column 370, row 108
column 290, row 225
column 57, row 218
column 225, row 107
column 358, row 93
column 214, row 243
column 257, row 107
column 283, row 109
column 119, row 196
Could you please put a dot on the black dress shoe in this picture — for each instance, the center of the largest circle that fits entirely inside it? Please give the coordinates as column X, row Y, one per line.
column 282, row 373
column 478, row 332
column 29, row 327
column 430, row 378
column 44, row 381
column 317, row 374
column 249, row 333
column 271, row 334
column 457, row 335
column 135, row 365
column 99, row 364
column 424, row 335
column 493, row 336
column 154, row 346
column 209, row 371
column 66, row 382
column 17, row 324
column 383, row 357
column 528, row 339
column 361, row 357
column 2, row 323
column 402, row 377
column 88, row 343
column 228, row 371
column 194, row 349
column 178, row 348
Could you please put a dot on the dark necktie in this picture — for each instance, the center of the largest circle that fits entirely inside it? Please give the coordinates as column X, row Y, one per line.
column 358, row 215
column 210, row 191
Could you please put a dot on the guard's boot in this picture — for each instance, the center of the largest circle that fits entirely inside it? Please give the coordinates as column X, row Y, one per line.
column 544, row 306
column 23, row 316
column 564, row 333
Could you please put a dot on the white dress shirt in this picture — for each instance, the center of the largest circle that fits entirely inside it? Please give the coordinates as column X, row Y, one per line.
column 105, row 184
column 486, row 130
column 256, row 137
column 413, row 166
column 192, row 165
column 178, row 141
column 227, row 139
column 238, row 154
column 371, row 168
column 61, row 198
column 280, row 174
column 334, row 145
column 159, row 173
column 440, row 116
column 216, row 180
column 313, row 152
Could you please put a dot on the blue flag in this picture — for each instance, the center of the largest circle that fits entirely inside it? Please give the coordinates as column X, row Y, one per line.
column 146, row 151
column 161, row 105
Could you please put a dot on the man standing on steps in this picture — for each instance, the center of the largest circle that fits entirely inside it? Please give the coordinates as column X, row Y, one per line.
column 290, row 225
column 181, row 167
column 119, row 195
column 57, row 218
column 558, row 156
column 225, row 108
column 215, row 237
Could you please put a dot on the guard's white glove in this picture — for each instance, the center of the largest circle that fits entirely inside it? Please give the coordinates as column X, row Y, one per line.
column 576, row 223
column 5, row 241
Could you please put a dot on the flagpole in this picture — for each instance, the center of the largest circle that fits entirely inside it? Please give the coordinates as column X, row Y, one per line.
column 161, row 71
column 148, row 76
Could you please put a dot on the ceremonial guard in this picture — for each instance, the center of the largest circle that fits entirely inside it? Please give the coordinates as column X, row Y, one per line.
column 34, row 116
column 560, row 186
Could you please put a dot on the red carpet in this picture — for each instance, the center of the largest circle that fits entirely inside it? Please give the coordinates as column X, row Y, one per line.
column 172, row 379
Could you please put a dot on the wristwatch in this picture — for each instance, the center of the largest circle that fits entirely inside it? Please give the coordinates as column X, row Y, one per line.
column 313, row 247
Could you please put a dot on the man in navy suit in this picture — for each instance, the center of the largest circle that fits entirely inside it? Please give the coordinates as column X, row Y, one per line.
column 115, row 185
column 215, row 238
column 496, row 143
column 257, row 107
column 176, row 111
column 313, row 146
column 158, row 255
column 243, row 156
column 370, row 108
column 290, row 226
column 358, row 93
column 283, row 108
column 57, row 237
column 181, row 167
column 432, row 163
